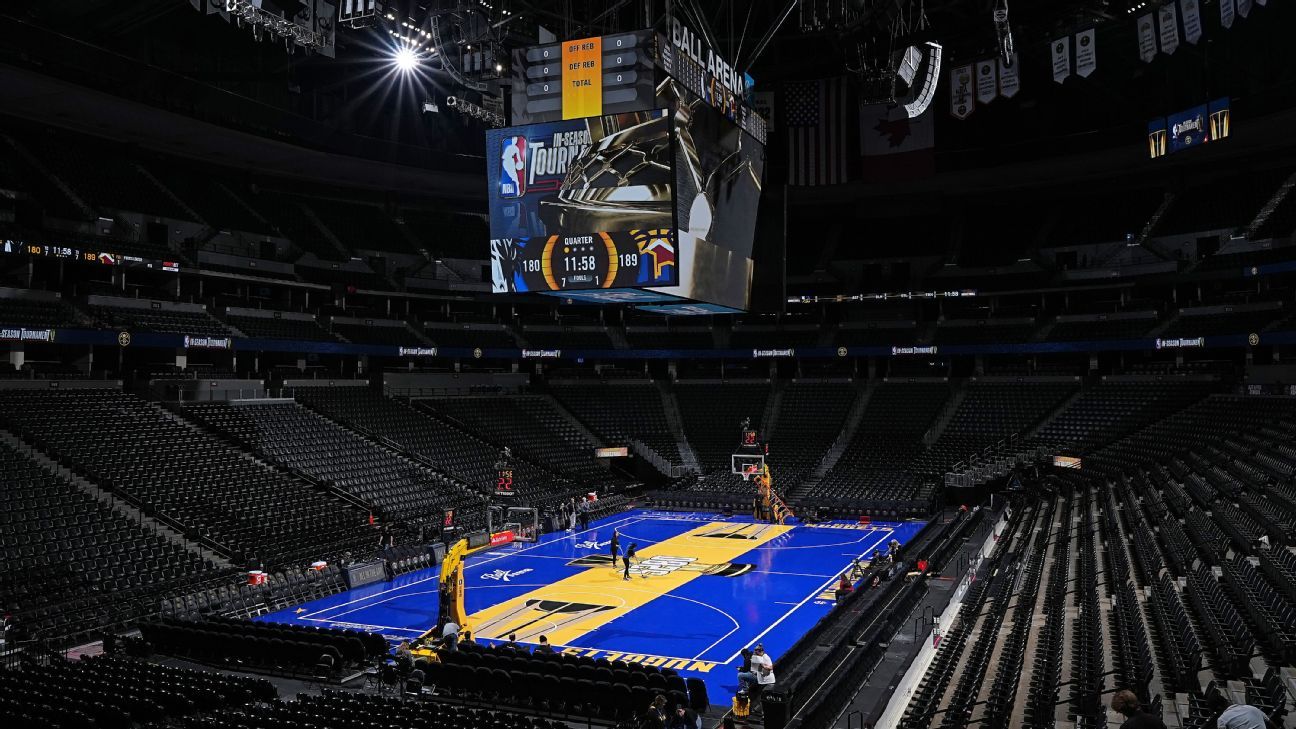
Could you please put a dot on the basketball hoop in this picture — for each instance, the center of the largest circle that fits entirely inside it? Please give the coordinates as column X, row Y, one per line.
column 750, row 471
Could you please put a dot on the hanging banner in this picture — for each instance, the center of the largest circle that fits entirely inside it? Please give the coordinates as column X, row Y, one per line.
column 1244, row 7
column 1168, row 19
column 1009, row 84
column 1061, row 59
column 1226, row 13
column 1086, row 52
column 1191, row 12
column 987, row 82
column 1146, row 38
column 962, row 101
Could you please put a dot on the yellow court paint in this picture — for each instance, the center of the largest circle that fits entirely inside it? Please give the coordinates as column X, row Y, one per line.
column 595, row 596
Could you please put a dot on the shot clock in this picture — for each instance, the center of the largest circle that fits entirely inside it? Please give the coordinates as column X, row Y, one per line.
column 504, row 482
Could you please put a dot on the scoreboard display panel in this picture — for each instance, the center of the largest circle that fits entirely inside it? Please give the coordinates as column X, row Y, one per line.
column 585, row 77
column 582, row 204
column 719, row 176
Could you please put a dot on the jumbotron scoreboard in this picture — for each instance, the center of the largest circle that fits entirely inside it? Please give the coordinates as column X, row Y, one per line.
column 619, row 182
column 582, row 78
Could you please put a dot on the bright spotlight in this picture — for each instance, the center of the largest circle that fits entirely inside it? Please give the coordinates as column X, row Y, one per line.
column 406, row 59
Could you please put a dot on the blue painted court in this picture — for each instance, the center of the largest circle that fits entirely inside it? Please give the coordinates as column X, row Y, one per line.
column 704, row 588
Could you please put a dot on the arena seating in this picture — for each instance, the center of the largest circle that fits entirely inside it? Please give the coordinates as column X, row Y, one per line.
column 563, row 682
column 151, row 459
column 160, row 320
column 991, row 410
column 621, row 411
column 873, row 334
column 1118, row 406
column 673, row 337
column 359, row 225
column 554, row 337
column 533, row 427
column 287, row 434
column 36, row 312
column 1098, row 327
column 460, row 454
column 270, row 328
column 767, row 337
column 235, row 597
column 73, row 564
column 271, row 646
column 445, row 233
column 713, row 413
column 449, row 335
column 1212, row 321
column 99, row 173
column 1195, row 510
column 349, row 710
column 984, row 331
column 115, row 692
column 214, row 196
column 873, row 467
column 809, row 420
column 380, row 332
column 288, row 214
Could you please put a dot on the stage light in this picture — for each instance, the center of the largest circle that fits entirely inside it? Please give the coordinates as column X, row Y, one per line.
column 405, row 59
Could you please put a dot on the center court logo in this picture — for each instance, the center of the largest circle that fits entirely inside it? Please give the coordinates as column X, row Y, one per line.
column 505, row 575
column 660, row 565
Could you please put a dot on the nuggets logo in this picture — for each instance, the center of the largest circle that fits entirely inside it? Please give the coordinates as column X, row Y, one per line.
column 656, row 255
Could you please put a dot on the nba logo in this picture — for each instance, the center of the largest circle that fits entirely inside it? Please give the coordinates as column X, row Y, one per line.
column 513, row 167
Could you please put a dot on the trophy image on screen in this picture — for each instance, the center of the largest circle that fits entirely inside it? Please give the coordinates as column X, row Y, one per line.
column 620, row 183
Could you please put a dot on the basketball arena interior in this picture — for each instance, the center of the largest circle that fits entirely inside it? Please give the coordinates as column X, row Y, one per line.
column 647, row 364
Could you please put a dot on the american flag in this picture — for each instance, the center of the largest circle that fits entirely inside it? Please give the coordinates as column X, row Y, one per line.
column 816, row 121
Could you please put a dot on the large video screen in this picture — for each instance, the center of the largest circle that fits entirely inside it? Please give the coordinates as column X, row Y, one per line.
column 612, row 74
column 582, row 204
column 719, row 173
column 1189, row 128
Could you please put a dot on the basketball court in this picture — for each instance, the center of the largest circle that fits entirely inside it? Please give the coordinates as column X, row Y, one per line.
column 704, row 587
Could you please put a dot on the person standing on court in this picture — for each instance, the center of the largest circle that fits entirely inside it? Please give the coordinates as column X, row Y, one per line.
column 616, row 548
column 629, row 555
column 582, row 514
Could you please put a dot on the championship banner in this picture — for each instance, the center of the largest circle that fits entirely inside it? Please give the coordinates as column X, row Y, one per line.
column 1061, row 59
column 962, row 101
column 1087, row 52
column 1226, row 13
column 1168, row 19
column 1009, row 82
column 1244, row 7
column 987, row 82
column 1191, row 12
column 1146, row 38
